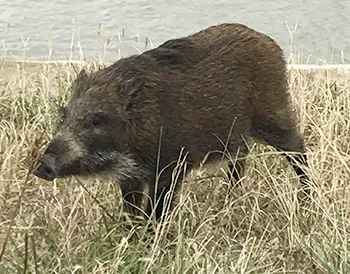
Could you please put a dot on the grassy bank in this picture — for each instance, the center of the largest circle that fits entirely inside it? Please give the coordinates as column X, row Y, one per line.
column 77, row 226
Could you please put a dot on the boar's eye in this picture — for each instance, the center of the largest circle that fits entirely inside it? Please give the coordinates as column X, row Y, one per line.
column 99, row 119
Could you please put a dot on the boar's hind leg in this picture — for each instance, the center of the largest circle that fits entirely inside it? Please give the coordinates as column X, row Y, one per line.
column 285, row 139
column 236, row 167
column 298, row 161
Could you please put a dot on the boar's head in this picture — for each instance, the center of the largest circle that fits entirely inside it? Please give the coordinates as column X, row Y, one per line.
column 92, row 137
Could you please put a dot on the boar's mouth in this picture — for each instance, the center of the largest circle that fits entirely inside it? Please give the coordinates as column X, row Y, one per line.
column 52, row 167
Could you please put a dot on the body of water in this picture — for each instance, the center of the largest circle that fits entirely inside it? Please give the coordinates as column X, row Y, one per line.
column 56, row 30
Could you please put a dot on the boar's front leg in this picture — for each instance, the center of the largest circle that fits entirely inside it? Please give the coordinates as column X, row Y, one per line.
column 152, row 195
column 135, row 198
column 144, row 200
column 165, row 191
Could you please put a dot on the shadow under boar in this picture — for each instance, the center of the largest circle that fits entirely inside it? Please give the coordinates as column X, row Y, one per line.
column 203, row 93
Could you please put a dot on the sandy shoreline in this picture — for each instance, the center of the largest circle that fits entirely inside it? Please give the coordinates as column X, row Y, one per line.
column 9, row 68
column 64, row 62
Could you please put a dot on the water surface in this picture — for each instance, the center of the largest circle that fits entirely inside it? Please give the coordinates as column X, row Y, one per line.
column 41, row 30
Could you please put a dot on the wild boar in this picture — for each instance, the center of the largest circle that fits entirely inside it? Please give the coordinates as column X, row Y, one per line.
column 205, row 93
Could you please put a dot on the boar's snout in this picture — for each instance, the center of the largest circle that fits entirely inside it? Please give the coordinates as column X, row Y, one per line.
column 47, row 169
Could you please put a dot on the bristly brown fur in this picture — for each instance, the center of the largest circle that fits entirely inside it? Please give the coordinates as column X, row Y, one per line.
column 225, row 82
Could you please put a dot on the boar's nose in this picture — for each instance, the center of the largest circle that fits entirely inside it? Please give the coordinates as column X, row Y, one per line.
column 47, row 169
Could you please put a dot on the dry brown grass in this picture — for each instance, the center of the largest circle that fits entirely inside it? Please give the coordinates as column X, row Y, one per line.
column 266, row 226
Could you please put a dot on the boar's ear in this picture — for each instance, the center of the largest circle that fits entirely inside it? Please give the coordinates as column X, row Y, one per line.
column 81, row 83
column 133, row 89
